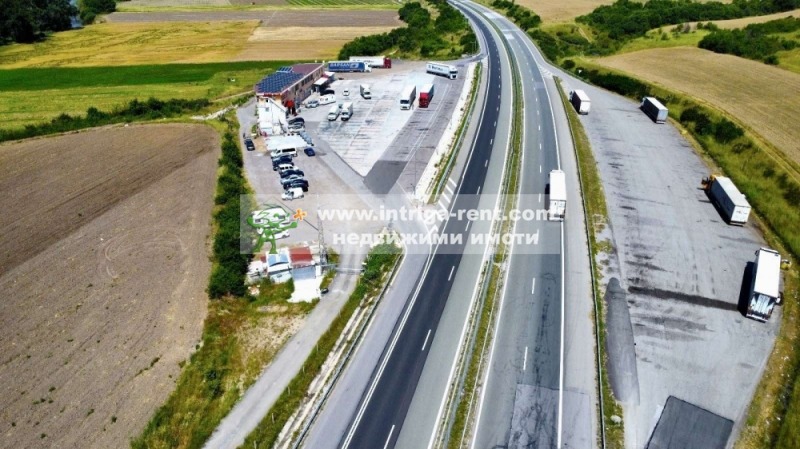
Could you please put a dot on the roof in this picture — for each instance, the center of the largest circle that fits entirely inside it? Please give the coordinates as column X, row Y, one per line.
column 277, row 82
column 306, row 68
column 768, row 273
column 558, row 185
column 301, row 256
column 581, row 95
column 654, row 101
column 277, row 259
column 736, row 197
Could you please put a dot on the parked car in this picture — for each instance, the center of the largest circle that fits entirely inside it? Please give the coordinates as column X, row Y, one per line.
column 312, row 104
column 346, row 92
column 283, row 167
column 328, row 92
column 248, row 143
column 327, row 99
column 324, row 291
column 296, row 127
column 292, row 194
column 301, row 183
column 309, row 152
column 296, row 120
column 276, row 163
column 290, row 178
column 292, row 171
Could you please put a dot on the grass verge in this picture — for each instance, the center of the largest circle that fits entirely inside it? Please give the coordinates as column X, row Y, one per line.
column 596, row 219
column 772, row 188
column 464, row 407
column 379, row 264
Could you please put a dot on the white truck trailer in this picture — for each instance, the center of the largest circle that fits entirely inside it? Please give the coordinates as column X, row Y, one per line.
column 734, row 206
column 407, row 97
column 654, row 109
column 437, row 68
column 558, row 196
column 347, row 111
column 580, row 101
column 366, row 93
column 765, row 287
column 333, row 114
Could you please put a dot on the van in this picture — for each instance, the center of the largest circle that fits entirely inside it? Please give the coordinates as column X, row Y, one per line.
column 327, row 99
column 333, row 114
column 293, row 193
column 285, row 166
column 284, row 152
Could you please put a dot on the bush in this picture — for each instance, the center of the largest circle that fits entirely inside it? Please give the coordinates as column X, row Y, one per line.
column 568, row 64
column 726, row 131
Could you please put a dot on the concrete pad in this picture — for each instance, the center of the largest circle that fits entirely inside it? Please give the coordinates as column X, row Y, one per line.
column 686, row 426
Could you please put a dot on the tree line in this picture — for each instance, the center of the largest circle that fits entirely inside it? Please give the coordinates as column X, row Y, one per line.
column 28, row 21
column 753, row 41
column 627, row 19
column 421, row 33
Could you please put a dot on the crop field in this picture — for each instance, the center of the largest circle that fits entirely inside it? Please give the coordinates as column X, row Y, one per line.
column 270, row 18
column 281, row 43
column 104, row 268
column 764, row 98
column 741, row 23
column 562, row 10
column 240, row 5
column 31, row 95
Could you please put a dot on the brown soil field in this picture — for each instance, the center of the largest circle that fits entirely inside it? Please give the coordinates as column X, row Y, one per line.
column 104, row 269
column 291, row 43
column 741, row 23
column 764, row 98
column 552, row 11
column 275, row 18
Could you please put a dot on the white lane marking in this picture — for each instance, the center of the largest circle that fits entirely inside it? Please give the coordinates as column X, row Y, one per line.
column 491, row 141
column 525, row 359
column 561, row 361
column 450, row 276
column 448, row 189
column 540, row 127
column 495, row 123
column 389, row 438
column 533, row 286
column 540, row 197
column 446, row 198
column 486, row 164
column 540, row 145
column 537, row 112
column 479, row 191
column 540, row 168
column 467, row 228
column 446, row 212
column 450, row 181
column 425, row 343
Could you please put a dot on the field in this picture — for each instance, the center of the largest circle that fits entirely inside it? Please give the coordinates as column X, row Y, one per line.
column 200, row 5
column 105, row 262
column 562, row 10
column 741, row 23
column 764, row 98
column 30, row 95
column 283, row 43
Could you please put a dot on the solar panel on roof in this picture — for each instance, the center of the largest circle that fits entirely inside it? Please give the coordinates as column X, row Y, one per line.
column 276, row 82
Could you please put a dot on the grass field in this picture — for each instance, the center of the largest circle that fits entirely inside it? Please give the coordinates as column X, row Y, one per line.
column 29, row 96
column 764, row 98
column 133, row 43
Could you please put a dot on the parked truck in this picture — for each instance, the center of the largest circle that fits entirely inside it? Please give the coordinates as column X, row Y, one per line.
column 377, row 62
column 366, row 93
column 580, row 101
column 654, row 109
column 347, row 110
column 766, row 285
column 333, row 113
column 730, row 201
column 437, row 68
column 349, row 66
column 407, row 97
column 558, row 195
column 425, row 95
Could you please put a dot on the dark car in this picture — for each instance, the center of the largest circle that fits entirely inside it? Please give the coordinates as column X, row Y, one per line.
column 309, row 152
column 280, row 160
column 296, row 120
column 291, row 178
column 328, row 92
column 302, row 183
column 287, row 173
column 248, row 143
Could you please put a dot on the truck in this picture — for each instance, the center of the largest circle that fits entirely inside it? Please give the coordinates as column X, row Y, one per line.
column 731, row 202
column 558, row 195
column 349, row 66
column 765, row 286
column 425, row 95
column 333, row 114
column 347, row 111
column 365, row 92
column 407, row 97
column 285, row 145
column 580, row 101
column 378, row 62
column 654, row 109
column 437, row 68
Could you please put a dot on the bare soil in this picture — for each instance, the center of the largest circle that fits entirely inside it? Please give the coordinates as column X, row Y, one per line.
column 274, row 18
column 104, row 268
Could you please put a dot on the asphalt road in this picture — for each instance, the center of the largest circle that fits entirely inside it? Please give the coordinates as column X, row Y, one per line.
column 380, row 419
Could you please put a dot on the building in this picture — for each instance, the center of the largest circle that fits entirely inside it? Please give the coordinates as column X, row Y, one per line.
column 290, row 85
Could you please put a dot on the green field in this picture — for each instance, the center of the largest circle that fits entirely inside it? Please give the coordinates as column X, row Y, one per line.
column 33, row 95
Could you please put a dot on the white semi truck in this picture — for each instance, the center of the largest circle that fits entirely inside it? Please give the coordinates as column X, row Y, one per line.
column 654, row 109
column 366, row 93
column 347, row 111
column 558, row 196
column 733, row 205
column 580, row 101
column 765, row 288
column 407, row 97
column 437, row 68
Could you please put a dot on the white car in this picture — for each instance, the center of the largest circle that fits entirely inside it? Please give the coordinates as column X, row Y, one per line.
column 293, row 194
column 346, row 92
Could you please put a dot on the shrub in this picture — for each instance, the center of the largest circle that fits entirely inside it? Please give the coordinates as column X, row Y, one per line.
column 726, row 131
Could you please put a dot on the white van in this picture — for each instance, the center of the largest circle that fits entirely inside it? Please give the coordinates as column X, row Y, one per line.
column 285, row 166
column 294, row 193
column 333, row 114
column 327, row 99
column 283, row 152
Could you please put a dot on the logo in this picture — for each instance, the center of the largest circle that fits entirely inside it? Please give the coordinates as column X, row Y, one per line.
column 273, row 223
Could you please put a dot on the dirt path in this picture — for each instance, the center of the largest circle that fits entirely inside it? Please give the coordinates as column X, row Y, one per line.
column 104, row 268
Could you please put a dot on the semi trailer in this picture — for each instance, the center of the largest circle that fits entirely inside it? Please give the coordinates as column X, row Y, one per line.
column 407, row 97
column 766, row 285
column 366, row 93
column 437, row 68
column 580, row 101
column 376, row 62
column 349, row 66
column 347, row 111
column 730, row 201
column 654, row 109
column 557, row 209
column 425, row 95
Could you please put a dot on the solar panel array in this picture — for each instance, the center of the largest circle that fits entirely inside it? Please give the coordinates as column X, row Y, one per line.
column 277, row 82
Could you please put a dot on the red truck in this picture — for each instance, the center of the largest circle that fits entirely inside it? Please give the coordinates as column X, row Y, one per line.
column 425, row 95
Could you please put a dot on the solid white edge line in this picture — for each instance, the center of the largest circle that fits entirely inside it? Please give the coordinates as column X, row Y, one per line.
column 452, row 269
column 525, row 360
column 533, row 286
column 561, row 361
column 389, row 438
